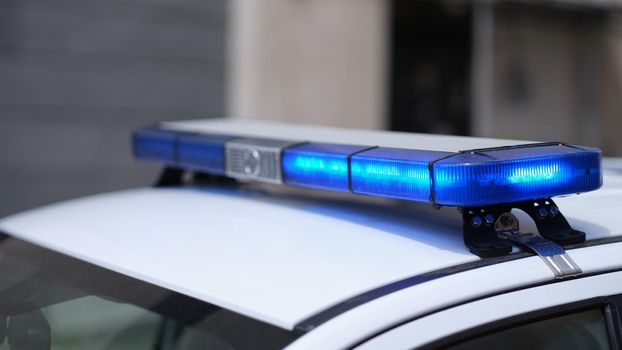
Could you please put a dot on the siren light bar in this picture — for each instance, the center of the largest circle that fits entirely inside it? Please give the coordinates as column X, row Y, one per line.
column 465, row 178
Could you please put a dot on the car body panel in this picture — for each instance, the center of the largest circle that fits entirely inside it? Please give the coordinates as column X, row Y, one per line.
column 379, row 315
column 277, row 259
column 282, row 257
column 438, row 326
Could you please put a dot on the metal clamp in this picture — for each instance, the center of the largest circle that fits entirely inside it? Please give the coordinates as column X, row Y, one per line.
column 553, row 255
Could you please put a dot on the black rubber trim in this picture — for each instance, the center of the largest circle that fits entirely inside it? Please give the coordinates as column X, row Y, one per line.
column 316, row 320
column 486, row 296
column 319, row 318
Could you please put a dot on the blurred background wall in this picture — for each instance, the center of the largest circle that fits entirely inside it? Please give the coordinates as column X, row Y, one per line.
column 76, row 76
column 535, row 70
column 314, row 61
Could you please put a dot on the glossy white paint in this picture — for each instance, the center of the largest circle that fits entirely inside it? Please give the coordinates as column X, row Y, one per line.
column 350, row 328
column 441, row 324
column 284, row 256
column 614, row 164
column 355, row 326
column 596, row 213
column 301, row 132
column 276, row 257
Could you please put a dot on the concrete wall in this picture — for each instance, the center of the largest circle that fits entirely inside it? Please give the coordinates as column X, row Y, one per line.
column 77, row 75
column 321, row 61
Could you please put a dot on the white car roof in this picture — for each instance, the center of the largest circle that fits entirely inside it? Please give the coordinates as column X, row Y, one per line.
column 277, row 257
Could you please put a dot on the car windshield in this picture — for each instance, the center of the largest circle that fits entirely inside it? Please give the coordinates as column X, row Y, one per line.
column 52, row 301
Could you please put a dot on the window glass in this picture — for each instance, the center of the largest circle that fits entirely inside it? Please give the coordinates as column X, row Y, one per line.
column 582, row 330
column 51, row 301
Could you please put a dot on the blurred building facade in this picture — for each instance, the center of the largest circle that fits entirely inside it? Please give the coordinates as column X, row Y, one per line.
column 557, row 73
column 318, row 61
column 76, row 76
column 538, row 70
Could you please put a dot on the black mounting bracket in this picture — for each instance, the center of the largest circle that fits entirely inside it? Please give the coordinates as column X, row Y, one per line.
column 481, row 237
column 171, row 176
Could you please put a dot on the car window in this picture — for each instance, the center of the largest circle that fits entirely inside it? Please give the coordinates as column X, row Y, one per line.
column 88, row 322
column 581, row 330
column 51, row 301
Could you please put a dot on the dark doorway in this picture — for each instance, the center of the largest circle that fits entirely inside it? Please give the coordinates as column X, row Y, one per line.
column 430, row 63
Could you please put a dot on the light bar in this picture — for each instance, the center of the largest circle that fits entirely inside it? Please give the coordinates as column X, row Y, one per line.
column 318, row 165
column 202, row 152
column 256, row 159
column 516, row 174
column 155, row 144
column 468, row 178
column 394, row 172
column 192, row 151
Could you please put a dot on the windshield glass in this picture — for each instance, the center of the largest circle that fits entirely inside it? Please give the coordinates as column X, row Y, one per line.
column 51, row 301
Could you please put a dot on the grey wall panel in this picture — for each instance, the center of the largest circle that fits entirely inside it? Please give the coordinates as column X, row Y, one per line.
column 76, row 76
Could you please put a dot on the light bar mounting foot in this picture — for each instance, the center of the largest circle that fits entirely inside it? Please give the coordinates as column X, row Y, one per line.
column 171, row 176
column 481, row 237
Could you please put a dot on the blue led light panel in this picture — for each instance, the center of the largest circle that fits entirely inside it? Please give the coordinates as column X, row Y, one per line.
column 154, row 144
column 318, row 165
column 464, row 179
column 393, row 172
column 516, row 174
column 202, row 152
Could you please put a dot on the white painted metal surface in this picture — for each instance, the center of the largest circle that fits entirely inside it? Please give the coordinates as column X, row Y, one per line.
column 301, row 132
column 282, row 257
column 348, row 329
column 613, row 164
column 357, row 325
column 274, row 257
column 442, row 324
column 597, row 213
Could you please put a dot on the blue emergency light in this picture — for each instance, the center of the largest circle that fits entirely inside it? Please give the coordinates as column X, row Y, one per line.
column 464, row 179
column 319, row 165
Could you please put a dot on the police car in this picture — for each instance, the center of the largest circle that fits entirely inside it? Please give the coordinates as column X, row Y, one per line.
column 268, row 235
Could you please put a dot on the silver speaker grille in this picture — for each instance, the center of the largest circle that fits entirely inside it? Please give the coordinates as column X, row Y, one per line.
column 255, row 159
